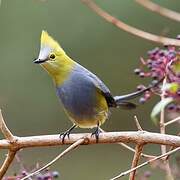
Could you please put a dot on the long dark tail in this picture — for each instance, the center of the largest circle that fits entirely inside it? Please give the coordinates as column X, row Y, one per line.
column 121, row 101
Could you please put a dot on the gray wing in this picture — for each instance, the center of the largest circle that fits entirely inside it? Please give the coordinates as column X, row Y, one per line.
column 101, row 87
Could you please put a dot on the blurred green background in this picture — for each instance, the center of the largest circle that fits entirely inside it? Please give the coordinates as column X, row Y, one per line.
column 27, row 95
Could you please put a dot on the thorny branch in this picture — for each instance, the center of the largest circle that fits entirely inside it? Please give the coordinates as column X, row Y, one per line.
column 130, row 29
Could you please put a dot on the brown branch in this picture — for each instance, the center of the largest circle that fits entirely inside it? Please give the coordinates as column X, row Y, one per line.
column 138, row 137
column 6, row 132
column 130, row 29
column 159, row 9
column 70, row 148
column 7, row 163
column 145, row 163
column 137, row 155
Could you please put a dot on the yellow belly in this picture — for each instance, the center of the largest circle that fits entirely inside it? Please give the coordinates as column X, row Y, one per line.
column 91, row 123
column 102, row 112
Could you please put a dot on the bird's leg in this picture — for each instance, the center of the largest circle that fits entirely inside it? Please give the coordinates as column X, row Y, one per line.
column 66, row 133
column 96, row 133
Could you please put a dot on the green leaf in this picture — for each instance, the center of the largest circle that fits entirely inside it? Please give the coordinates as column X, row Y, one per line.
column 172, row 87
column 159, row 107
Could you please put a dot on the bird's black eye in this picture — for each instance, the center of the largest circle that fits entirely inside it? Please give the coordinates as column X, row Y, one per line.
column 52, row 56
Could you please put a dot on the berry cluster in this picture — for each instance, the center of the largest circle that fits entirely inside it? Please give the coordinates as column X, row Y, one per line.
column 47, row 175
column 162, row 63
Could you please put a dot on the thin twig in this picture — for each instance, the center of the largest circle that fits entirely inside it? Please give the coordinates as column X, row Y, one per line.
column 133, row 150
column 145, row 163
column 138, row 124
column 70, row 148
column 137, row 155
column 130, row 29
column 162, row 116
column 167, row 157
column 4, row 129
column 130, row 148
column 163, row 131
column 7, row 163
column 172, row 121
column 159, row 9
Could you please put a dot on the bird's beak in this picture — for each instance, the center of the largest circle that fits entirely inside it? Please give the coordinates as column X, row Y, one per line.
column 39, row 61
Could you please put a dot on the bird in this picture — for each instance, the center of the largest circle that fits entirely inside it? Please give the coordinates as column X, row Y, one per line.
column 85, row 98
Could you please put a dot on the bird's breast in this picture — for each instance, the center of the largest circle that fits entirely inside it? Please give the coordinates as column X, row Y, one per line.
column 81, row 100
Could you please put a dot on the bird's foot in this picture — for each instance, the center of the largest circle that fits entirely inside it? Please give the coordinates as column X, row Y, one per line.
column 96, row 133
column 66, row 133
column 63, row 135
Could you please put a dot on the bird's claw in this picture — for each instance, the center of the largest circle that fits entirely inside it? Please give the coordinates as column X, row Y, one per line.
column 96, row 134
column 64, row 134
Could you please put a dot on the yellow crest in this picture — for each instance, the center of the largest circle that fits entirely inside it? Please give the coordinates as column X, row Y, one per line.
column 48, row 41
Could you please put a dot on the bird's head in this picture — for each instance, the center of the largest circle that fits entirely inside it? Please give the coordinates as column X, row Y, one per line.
column 51, row 54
